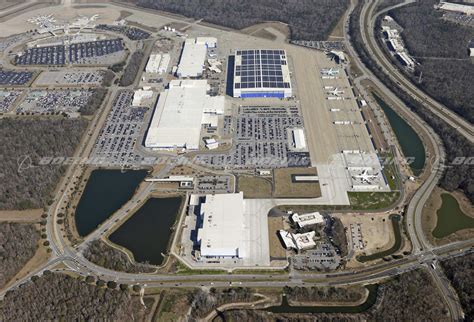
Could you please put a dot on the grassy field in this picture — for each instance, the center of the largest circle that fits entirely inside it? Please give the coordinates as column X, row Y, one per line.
column 255, row 187
column 276, row 248
column 286, row 188
column 372, row 200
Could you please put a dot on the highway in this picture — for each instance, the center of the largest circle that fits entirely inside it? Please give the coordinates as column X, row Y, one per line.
column 416, row 204
column 367, row 24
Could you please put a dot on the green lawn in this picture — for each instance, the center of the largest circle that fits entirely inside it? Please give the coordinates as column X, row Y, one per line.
column 372, row 200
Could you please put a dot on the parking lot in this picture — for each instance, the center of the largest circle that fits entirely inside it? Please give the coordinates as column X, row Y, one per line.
column 132, row 33
column 54, row 101
column 92, row 52
column 50, row 55
column 323, row 257
column 213, row 184
column 14, row 78
column 70, row 78
column 261, row 139
column 7, row 98
column 83, row 52
column 118, row 137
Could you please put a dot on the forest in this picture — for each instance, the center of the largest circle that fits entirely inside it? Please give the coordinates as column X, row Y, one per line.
column 307, row 19
column 460, row 271
column 132, row 69
column 26, row 183
column 411, row 296
column 95, row 101
column 455, row 176
column 324, row 294
column 64, row 298
column 441, row 49
column 106, row 256
column 18, row 244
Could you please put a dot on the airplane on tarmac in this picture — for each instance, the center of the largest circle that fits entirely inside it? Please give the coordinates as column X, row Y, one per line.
column 336, row 92
column 330, row 71
column 365, row 177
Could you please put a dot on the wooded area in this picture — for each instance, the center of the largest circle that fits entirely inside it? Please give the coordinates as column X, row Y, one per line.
column 18, row 244
column 203, row 302
column 95, row 101
column 106, row 256
column 460, row 271
column 307, row 19
column 132, row 69
column 25, row 182
column 411, row 296
column 324, row 294
column 456, row 176
column 408, row 297
column 61, row 297
column 441, row 48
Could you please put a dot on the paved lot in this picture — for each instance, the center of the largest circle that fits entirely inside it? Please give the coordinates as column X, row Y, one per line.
column 118, row 138
column 14, row 78
column 7, row 98
column 71, row 78
column 54, row 101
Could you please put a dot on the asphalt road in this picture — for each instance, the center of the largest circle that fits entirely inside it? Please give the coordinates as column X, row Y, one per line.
column 367, row 23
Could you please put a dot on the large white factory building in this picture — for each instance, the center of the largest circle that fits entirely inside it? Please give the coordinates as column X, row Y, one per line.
column 180, row 113
column 193, row 57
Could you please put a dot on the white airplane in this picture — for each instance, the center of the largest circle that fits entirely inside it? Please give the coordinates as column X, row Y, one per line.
column 330, row 72
column 365, row 177
column 336, row 92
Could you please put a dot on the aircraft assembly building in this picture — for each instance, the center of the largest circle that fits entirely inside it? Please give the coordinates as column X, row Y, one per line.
column 261, row 73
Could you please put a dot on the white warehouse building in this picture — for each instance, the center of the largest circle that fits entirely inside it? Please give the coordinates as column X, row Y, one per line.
column 193, row 57
column 298, row 138
column 158, row 63
column 180, row 113
column 223, row 233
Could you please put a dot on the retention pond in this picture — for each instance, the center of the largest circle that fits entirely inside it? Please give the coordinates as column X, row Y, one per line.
column 105, row 192
column 147, row 232
column 409, row 141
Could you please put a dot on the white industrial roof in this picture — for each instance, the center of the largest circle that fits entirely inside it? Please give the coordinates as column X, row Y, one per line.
column 179, row 114
column 140, row 95
column 223, row 232
column 308, row 219
column 192, row 59
column 464, row 8
column 299, row 139
column 298, row 241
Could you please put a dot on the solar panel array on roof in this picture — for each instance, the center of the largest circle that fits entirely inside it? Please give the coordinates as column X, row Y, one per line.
column 261, row 69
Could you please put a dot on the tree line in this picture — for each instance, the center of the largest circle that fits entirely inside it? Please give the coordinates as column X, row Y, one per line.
column 460, row 271
column 23, row 142
column 441, row 48
column 455, row 176
column 60, row 297
column 18, row 244
column 106, row 256
column 307, row 19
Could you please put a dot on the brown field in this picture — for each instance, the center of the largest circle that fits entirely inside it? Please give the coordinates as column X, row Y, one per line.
column 255, row 187
column 268, row 30
column 276, row 249
column 377, row 232
column 29, row 215
column 285, row 188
